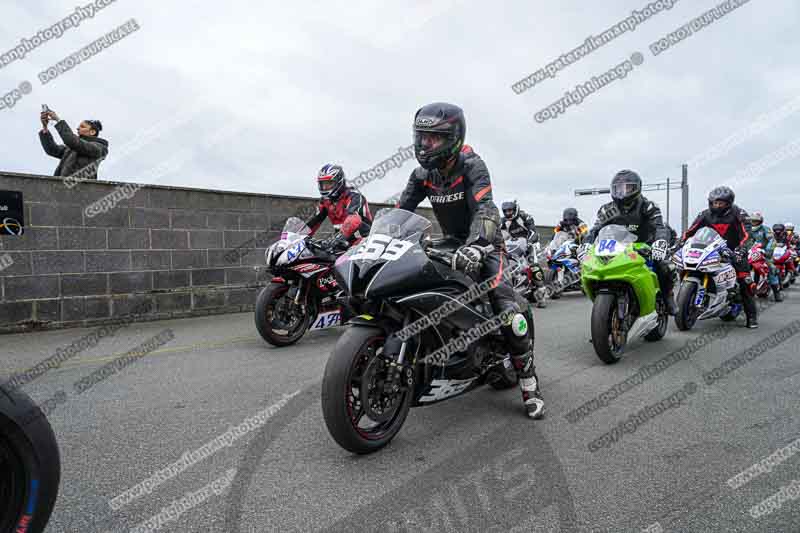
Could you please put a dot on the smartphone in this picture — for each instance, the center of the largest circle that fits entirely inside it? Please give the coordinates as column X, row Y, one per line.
column 45, row 109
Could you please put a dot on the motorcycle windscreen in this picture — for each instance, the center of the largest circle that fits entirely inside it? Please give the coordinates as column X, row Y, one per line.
column 294, row 229
column 517, row 247
column 394, row 232
column 613, row 239
column 560, row 238
column 391, row 254
column 704, row 237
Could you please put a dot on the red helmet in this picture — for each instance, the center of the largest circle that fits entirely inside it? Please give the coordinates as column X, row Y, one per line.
column 330, row 181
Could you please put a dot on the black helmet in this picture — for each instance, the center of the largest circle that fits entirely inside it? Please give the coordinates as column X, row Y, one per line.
column 779, row 231
column 444, row 120
column 570, row 215
column 330, row 181
column 510, row 209
column 724, row 194
column 626, row 189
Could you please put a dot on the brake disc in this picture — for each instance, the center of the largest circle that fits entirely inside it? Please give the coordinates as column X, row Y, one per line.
column 378, row 397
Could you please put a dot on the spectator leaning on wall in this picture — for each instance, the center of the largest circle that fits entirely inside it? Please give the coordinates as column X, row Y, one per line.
column 82, row 151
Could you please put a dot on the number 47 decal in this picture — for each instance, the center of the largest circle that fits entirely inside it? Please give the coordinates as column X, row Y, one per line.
column 381, row 247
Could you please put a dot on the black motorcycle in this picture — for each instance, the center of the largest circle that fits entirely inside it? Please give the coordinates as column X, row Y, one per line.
column 30, row 464
column 395, row 278
column 303, row 294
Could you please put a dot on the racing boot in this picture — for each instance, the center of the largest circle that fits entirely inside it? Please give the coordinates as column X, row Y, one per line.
column 541, row 297
column 750, row 308
column 519, row 337
column 529, row 384
column 776, row 293
column 672, row 309
column 540, row 291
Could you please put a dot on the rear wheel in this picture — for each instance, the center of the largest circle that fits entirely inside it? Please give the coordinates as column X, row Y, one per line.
column 278, row 320
column 687, row 314
column 607, row 336
column 362, row 409
column 30, row 465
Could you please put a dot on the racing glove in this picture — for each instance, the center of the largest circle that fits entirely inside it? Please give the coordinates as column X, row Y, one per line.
column 740, row 254
column 583, row 251
column 336, row 242
column 467, row 259
column 659, row 249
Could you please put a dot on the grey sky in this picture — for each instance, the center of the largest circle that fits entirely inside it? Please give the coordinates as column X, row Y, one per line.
column 295, row 85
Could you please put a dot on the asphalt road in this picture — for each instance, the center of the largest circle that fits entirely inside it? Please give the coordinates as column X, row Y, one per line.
column 473, row 463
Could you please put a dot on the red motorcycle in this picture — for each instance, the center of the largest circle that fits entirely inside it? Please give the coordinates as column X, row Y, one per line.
column 303, row 293
column 784, row 258
column 758, row 261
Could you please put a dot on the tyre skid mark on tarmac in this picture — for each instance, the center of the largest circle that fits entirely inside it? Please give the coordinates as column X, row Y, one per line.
column 517, row 478
column 257, row 448
column 523, row 450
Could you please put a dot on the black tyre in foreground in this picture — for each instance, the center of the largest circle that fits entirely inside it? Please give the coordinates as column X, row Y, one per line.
column 30, row 464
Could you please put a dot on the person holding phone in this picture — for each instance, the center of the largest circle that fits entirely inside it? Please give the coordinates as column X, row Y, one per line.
column 82, row 151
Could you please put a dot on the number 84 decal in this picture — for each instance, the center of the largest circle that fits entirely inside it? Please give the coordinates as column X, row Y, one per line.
column 381, row 247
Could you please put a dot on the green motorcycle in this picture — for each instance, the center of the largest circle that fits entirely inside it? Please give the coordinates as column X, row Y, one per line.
column 618, row 276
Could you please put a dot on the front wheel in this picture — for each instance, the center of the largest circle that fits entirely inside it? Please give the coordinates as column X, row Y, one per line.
column 687, row 314
column 278, row 320
column 362, row 409
column 607, row 336
column 30, row 465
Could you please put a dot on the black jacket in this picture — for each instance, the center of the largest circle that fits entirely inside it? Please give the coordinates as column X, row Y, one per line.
column 673, row 235
column 734, row 226
column 521, row 225
column 643, row 219
column 462, row 203
column 77, row 152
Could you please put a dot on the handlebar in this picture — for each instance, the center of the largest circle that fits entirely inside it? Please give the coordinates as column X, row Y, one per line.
column 317, row 245
column 447, row 257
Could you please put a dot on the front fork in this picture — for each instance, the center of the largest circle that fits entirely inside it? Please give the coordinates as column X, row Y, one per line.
column 400, row 374
column 701, row 293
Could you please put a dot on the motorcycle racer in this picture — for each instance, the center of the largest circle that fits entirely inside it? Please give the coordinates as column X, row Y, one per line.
column 733, row 224
column 346, row 208
column 458, row 185
column 761, row 234
column 572, row 224
column 643, row 218
column 517, row 223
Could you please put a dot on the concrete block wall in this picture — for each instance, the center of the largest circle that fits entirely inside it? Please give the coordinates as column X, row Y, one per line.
column 164, row 245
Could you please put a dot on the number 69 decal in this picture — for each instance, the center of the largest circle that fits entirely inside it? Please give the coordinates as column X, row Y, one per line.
column 381, row 247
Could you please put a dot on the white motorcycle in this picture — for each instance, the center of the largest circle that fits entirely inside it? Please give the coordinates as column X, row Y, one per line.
column 708, row 281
